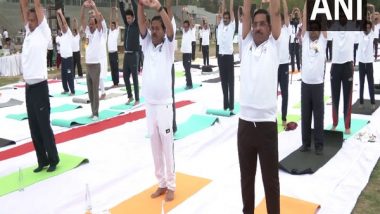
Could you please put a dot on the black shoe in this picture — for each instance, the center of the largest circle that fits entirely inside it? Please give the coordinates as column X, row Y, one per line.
column 319, row 151
column 304, row 148
column 39, row 168
column 51, row 168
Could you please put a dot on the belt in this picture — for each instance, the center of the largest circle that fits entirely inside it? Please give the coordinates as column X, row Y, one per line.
column 130, row 52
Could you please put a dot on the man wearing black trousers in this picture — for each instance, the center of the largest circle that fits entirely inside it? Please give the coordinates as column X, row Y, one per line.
column 131, row 50
column 113, row 34
column 312, row 86
column 294, row 47
column 187, row 31
column 34, row 67
column 257, row 130
column 226, row 58
column 76, row 50
column 283, row 68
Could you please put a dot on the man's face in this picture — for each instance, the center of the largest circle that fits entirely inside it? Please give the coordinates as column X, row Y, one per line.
column 315, row 32
column 186, row 27
column 226, row 19
column 113, row 26
column 261, row 29
column 367, row 29
column 157, row 32
column 129, row 19
column 32, row 21
column 92, row 25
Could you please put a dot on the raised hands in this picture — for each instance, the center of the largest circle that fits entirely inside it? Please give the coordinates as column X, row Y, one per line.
column 151, row 3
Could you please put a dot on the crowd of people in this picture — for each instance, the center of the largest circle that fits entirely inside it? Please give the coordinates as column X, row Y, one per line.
column 268, row 40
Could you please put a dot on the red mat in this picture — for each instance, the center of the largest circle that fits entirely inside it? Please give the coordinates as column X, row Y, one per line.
column 84, row 131
column 23, row 85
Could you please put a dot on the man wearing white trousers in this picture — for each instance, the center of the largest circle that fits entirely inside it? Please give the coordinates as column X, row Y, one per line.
column 159, row 54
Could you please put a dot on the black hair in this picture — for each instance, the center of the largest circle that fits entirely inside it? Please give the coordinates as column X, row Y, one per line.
column 114, row 23
column 262, row 11
column 186, row 22
column 227, row 13
column 158, row 18
column 31, row 10
column 129, row 12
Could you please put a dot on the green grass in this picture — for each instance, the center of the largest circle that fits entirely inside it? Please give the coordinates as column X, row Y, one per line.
column 8, row 80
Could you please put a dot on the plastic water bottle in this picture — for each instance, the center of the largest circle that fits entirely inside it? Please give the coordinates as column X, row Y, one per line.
column 88, row 200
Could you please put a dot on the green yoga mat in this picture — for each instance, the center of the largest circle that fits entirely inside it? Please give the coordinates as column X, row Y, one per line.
column 298, row 163
column 298, row 105
column 289, row 118
column 108, row 78
column 356, row 125
column 224, row 113
column 123, row 107
column 77, row 92
column 194, row 124
column 103, row 115
column 61, row 108
column 26, row 177
column 183, row 89
column 179, row 73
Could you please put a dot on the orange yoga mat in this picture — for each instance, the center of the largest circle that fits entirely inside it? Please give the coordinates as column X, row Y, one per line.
column 290, row 205
column 141, row 203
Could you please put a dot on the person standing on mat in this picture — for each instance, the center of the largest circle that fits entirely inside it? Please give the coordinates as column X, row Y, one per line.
column 283, row 69
column 103, row 60
column 34, row 64
column 313, row 73
column 294, row 46
column 366, row 59
column 342, row 70
column 76, row 49
column 113, row 35
column 257, row 130
column 66, row 41
column 131, row 50
column 205, row 35
column 94, row 32
column 226, row 58
column 187, row 33
column 158, row 48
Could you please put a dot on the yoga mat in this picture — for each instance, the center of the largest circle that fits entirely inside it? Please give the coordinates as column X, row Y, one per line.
column 61, row 108
column 213, row 80
column 113, row 95
column 107, row 79
column 77, row 92
column 83, row 131
column 298, row 105
column 182, row 89
column 356, row 125
column 298, row 163
column 367, row 107
column 123, row 107
column 179, row 73
column 142, row 203
column 13, row 182
column 289, row 118
column 11, row 102
column 224, row 113
column 377, row 88
column 111, row 87
column 105, row 114
column 194, row 124
column 81, row 100
column 290, row 205
column 6, row 142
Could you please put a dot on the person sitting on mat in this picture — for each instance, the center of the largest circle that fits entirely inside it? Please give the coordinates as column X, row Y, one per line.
column 34, row 66
column 314, row 43
column 366, row 59
column 158, row 50
column 257, row 130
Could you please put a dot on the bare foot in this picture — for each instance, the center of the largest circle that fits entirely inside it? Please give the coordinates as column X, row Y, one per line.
column 348, row 131
column 169, row 195
column 333, row 128
column 129, row 101
column 283, row 123
column 136, row 103
column 102, row 97
column 159, row 191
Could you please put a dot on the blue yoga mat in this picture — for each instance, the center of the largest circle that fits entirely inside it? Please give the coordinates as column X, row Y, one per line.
column 194, row 124
column 356, row 125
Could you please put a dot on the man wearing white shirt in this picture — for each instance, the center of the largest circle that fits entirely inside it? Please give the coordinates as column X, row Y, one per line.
column 186, row 51
column 76, row 50
column 205, row 34
column 366, row 59
column 294, row 47
column 342, row 73
column 158, row 51
column 34, row 68
column 226, row 33
column 50, row 50
column 58, row 59
column 283, row 69
column 94, row 31
column 67, row 73
column 312, row 87
column 377, row 35
column 257, row 130
column 5, row 34
column 113, row 35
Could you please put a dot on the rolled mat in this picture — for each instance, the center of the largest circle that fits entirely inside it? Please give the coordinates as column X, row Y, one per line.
column 356, row 125
column 111, row 87
column 61, row 108
column 298, row 163
column 105, row 114
column 11, row 102
column 224, row 113
column 289, row 118
column 6, row 142
column 77, row 92
column 183, row 89
column 179, row 73
column 194, row 124
column 83, row 131
column 366, row 108
column 81, row 100
column 26, row 177
column 290, row 205
column 142, row 203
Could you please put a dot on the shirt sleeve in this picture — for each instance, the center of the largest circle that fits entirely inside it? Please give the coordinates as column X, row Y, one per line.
column 44, row 27
column 145, row 41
